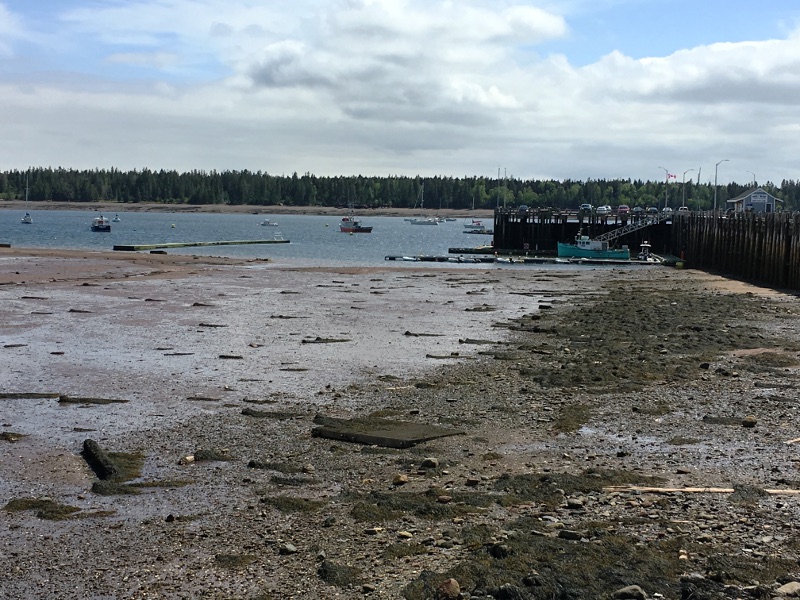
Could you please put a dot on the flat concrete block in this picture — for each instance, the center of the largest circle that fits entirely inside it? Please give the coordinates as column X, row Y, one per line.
column 379, row 432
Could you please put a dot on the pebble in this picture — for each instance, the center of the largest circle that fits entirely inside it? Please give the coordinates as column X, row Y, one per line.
column 789, row 590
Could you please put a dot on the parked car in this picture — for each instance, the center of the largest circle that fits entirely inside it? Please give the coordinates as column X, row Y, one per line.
column 684, row 210
column 637, row 211
column 667, row 210
column 603, row 210
column 623, row 209
column 652, row 210
column 585, row 208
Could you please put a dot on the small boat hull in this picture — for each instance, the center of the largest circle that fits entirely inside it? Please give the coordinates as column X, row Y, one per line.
column 573, row 251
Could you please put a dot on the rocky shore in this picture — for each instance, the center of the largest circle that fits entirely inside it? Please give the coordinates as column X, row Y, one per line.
column 625, row 433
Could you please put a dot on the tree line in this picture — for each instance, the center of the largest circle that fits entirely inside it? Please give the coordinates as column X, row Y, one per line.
column 263, row 189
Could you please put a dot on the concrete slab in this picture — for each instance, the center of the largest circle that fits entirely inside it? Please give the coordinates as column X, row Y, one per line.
column 379, row 432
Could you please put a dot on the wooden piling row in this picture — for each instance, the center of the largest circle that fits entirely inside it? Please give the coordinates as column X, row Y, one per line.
column 758, row 247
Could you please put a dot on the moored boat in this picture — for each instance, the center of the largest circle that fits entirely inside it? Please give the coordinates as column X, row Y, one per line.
column 585, row 247
column 423, row 221
column 101, row 224
column 27, row 219
column 116, row 219
column 268, row 223
column 474, row 224
column 351, row 224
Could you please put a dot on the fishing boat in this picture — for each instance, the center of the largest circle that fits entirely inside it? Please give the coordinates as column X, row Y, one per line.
column 268, row 223
column 585, row 247
column 351, row 224
column 116, row 219
column 101, row 224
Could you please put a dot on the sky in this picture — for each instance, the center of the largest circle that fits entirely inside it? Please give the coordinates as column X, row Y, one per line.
column 538, row 89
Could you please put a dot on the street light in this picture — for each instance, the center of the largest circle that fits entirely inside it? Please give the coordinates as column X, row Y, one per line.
column 683, row 187
column 666, row 185
column 754, row 177
column 716, row 168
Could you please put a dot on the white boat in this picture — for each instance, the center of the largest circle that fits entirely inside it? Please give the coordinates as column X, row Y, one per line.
column 422, row 220
column 101, row 224
column 475, row 225
column 268, row 223
column 27, row 219
column 116, row 219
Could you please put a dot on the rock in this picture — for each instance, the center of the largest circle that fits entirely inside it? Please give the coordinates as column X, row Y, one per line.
column 749, row 422
column 449, row 589
column 574, row 504
column 287, row 549
column 368, row 588
column 511, row 592
column 443, row 499
column 500, row 551
column 789, row 590
column 568, row 534
column 632, row 592
column 400, row 479
column 473, row 481
column 430, row 463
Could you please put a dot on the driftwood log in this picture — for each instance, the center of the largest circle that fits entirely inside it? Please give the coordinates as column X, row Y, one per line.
column 100, row 461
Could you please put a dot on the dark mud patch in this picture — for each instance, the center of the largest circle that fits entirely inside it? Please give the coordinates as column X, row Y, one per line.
column 343, row 576
column 571, row 418
column 234, row 561
column 44, row 508
column 633, row 336
column 88, row 400
column 212, row 455
column 530, row 566
column 435, row 504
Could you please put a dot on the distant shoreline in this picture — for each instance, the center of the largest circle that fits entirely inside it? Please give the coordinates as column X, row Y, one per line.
column 114, row 207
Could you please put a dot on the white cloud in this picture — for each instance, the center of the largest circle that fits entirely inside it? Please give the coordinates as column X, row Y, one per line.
column 391, row 86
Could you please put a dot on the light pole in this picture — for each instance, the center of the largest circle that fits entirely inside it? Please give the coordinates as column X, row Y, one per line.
column 754, row 178
column 716, row 168
column 683, row 198
column 666, row 185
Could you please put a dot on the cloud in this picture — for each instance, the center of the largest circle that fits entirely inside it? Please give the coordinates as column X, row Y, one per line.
column 383, row 86
column 11, row 30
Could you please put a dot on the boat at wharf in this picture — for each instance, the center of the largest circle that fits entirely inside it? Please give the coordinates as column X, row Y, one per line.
column 585, row 247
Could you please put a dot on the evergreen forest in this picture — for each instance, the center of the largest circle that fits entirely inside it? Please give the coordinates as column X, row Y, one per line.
column 362, row 192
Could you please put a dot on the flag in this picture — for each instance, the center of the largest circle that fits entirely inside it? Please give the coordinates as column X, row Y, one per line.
column 671, row 176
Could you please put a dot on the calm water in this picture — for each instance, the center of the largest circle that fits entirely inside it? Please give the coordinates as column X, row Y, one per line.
column 314, row 240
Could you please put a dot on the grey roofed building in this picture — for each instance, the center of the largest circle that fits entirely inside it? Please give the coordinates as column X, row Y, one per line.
column 756, row 200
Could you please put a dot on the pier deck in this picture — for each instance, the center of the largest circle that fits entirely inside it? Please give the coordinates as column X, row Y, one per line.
column 135, row 247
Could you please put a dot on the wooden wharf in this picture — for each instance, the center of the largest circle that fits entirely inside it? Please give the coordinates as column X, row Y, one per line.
column 763, row 248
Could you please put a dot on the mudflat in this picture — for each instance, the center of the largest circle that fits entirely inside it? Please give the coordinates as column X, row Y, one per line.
column 577, row 432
